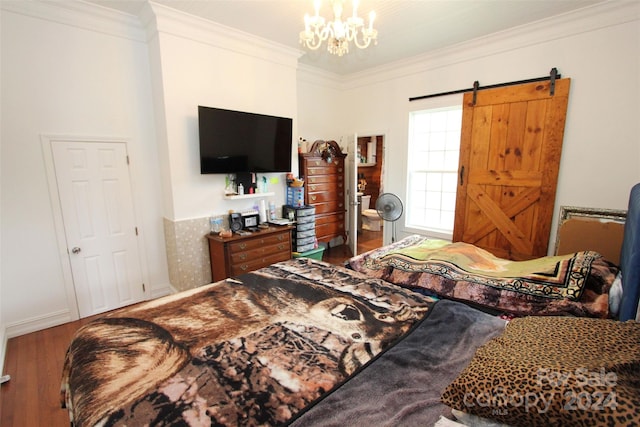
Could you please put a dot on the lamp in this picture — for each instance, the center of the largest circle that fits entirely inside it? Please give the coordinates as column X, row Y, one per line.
column 339, row 33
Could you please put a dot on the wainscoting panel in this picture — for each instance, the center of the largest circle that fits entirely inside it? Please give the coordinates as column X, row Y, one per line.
column 187, row 253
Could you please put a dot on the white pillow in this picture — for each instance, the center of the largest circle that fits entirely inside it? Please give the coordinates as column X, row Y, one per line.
column 615, row 295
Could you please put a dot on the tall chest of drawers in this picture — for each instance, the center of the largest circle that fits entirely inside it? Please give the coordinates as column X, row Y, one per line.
column 323, row 171
column 232, row 256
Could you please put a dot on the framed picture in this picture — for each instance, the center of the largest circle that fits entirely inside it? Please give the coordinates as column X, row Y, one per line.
column 593, row 229
column 567, row 212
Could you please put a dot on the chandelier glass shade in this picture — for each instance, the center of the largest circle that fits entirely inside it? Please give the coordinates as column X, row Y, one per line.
column 338, row 33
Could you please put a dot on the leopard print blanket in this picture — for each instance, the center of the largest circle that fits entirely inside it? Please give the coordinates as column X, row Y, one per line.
column 561, row 371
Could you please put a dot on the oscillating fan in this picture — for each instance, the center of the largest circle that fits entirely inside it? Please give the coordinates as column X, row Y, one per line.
column 389, row 208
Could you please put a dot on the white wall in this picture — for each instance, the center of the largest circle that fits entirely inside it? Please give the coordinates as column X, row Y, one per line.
column 202, row 64
column 321, row 115
column 70, row 68
column 2, row 322
column 598, row 48
column 79, row 74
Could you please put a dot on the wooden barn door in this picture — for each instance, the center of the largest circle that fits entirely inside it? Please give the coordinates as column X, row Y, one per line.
column 509, row 159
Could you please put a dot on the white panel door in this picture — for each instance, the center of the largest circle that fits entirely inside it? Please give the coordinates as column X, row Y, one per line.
column 97, row 210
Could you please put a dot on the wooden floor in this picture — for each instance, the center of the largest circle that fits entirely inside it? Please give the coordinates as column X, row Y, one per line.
column 34, row 361
column 367, row 240
column 32, row 397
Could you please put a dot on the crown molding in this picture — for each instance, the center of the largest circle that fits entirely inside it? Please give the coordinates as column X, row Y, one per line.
column 158, row 18
column 316, row 76
column 584, row 20
column 80, row 14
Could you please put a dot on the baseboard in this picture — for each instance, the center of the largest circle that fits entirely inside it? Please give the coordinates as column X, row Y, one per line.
column 37, row 323
column 164, row 291
column 3, row 348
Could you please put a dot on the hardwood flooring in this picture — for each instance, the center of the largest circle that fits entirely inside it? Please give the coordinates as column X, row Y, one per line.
column 32, row 397
column 34, row 361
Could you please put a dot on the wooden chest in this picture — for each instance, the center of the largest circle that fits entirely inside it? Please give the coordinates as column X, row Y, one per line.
column 323, row 171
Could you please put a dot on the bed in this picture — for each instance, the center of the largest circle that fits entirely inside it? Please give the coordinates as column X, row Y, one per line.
column 306, row 343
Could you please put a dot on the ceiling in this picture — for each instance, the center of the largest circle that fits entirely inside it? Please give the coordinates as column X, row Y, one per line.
column 405, row 27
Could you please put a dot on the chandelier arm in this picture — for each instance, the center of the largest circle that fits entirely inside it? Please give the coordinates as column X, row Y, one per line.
column 365, row 43
column 326, row 32
column 313, row 43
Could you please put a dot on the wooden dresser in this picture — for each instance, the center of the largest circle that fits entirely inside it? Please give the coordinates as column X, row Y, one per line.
column 323, row 169
column 232, row 256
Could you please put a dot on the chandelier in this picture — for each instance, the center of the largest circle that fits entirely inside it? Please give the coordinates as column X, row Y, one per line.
column 339, row 33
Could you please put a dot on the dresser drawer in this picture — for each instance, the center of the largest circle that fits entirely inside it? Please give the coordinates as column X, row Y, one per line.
column 326, row 196
column 303, row 234
column 329, row 207
column 315, row 162
column 252, row 254
column 325, row 187
column 323, row 179
column 325, row 170
column 329, row 229
column 325, row 219
column 305, row 226
column 248, row 244
column 245, row 267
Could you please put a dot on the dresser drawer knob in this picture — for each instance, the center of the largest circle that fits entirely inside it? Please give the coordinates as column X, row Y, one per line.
column 243, row 256
column 243, row 246
column 313, row 198
column 244, row 267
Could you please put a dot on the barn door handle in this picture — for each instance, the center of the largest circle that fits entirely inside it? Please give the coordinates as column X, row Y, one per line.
column 461, row 175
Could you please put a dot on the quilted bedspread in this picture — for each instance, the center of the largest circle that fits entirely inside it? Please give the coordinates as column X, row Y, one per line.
column 576, row 284
column 254, row 350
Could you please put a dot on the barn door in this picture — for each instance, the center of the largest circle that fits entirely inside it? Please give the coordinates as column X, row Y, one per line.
column 509, row 159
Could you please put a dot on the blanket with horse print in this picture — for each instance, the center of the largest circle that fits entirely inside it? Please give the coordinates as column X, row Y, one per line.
column 254, row 350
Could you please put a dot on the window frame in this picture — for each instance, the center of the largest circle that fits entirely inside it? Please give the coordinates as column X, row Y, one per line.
column 433, row 104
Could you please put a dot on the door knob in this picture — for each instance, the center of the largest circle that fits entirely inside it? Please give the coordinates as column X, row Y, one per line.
column 76, row 250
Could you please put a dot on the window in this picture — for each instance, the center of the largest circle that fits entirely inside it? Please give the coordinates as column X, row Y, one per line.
column 434, row 149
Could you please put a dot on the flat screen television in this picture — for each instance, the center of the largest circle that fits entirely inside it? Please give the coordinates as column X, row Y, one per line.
column 237, row 141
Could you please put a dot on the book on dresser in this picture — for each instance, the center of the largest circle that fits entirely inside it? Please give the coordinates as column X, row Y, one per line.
column 323, row 172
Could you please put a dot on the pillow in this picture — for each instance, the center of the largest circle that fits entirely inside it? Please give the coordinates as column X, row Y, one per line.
column 615, row 295
column 554, row 371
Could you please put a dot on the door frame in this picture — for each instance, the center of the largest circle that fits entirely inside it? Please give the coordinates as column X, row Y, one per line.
column 386, row 234
column 47, row 141
column 351, row 193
